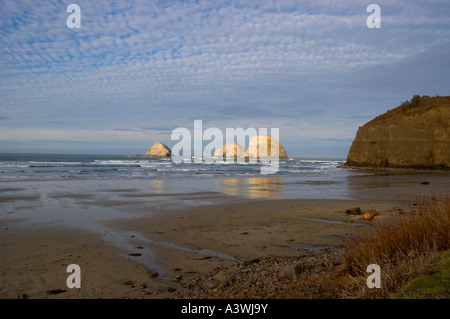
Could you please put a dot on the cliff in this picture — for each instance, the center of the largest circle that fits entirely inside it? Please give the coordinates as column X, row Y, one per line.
column 414, row 135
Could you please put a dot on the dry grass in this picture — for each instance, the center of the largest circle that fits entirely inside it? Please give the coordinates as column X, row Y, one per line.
column 404, row 248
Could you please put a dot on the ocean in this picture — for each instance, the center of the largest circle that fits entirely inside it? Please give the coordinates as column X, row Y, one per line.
column 28, row 167
column 295, row 178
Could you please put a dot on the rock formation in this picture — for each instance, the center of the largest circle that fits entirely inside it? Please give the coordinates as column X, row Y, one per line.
column 414, row 135
column 264, row 146
column 230, row 150
column 158, row 149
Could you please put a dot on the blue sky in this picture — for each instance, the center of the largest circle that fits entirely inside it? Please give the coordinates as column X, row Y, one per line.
column 136, row 70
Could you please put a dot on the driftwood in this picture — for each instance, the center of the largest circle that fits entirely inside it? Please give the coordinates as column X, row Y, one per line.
column 354, row 211
column 370, row 214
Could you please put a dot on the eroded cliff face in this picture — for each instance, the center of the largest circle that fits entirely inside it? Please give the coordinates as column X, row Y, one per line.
column 414, row 135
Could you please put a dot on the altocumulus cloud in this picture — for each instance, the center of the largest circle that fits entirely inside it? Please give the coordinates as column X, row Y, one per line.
column 306, row 67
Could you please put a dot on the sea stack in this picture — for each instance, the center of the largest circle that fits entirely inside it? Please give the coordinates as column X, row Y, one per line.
column 414, row 135
column 230, row 150
column 158, row 149
column 264, row 146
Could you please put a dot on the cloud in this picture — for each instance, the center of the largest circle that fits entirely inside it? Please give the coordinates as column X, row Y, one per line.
column 73, row 135
column 422, row 73
column 160, row 65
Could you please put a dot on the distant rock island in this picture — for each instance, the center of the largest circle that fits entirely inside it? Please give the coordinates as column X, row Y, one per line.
column 414, row 135
column 259, row 146
column 233, row 150
column 264, row 146
column 158, row 149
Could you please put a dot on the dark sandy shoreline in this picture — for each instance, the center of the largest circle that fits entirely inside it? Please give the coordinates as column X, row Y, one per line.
column 136, row 255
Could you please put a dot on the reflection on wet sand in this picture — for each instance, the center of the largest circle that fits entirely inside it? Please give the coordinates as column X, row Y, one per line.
column 257, row 187
column 265, row 187
column 158, row 186
column 231, row 186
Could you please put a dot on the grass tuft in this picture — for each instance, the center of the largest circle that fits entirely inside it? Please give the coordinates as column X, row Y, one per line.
column 434, row 286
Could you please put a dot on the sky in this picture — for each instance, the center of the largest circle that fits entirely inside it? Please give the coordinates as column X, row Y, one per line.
column 136, row 70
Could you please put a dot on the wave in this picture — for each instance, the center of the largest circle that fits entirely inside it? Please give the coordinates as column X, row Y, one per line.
column 56, row 167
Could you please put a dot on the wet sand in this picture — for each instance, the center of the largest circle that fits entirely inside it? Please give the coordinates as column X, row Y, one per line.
column 139, row 255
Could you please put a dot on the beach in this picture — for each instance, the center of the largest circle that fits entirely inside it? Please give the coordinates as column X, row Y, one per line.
column 130, row 244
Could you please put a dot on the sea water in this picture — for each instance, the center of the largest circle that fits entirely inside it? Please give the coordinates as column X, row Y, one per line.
column 295, row 178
